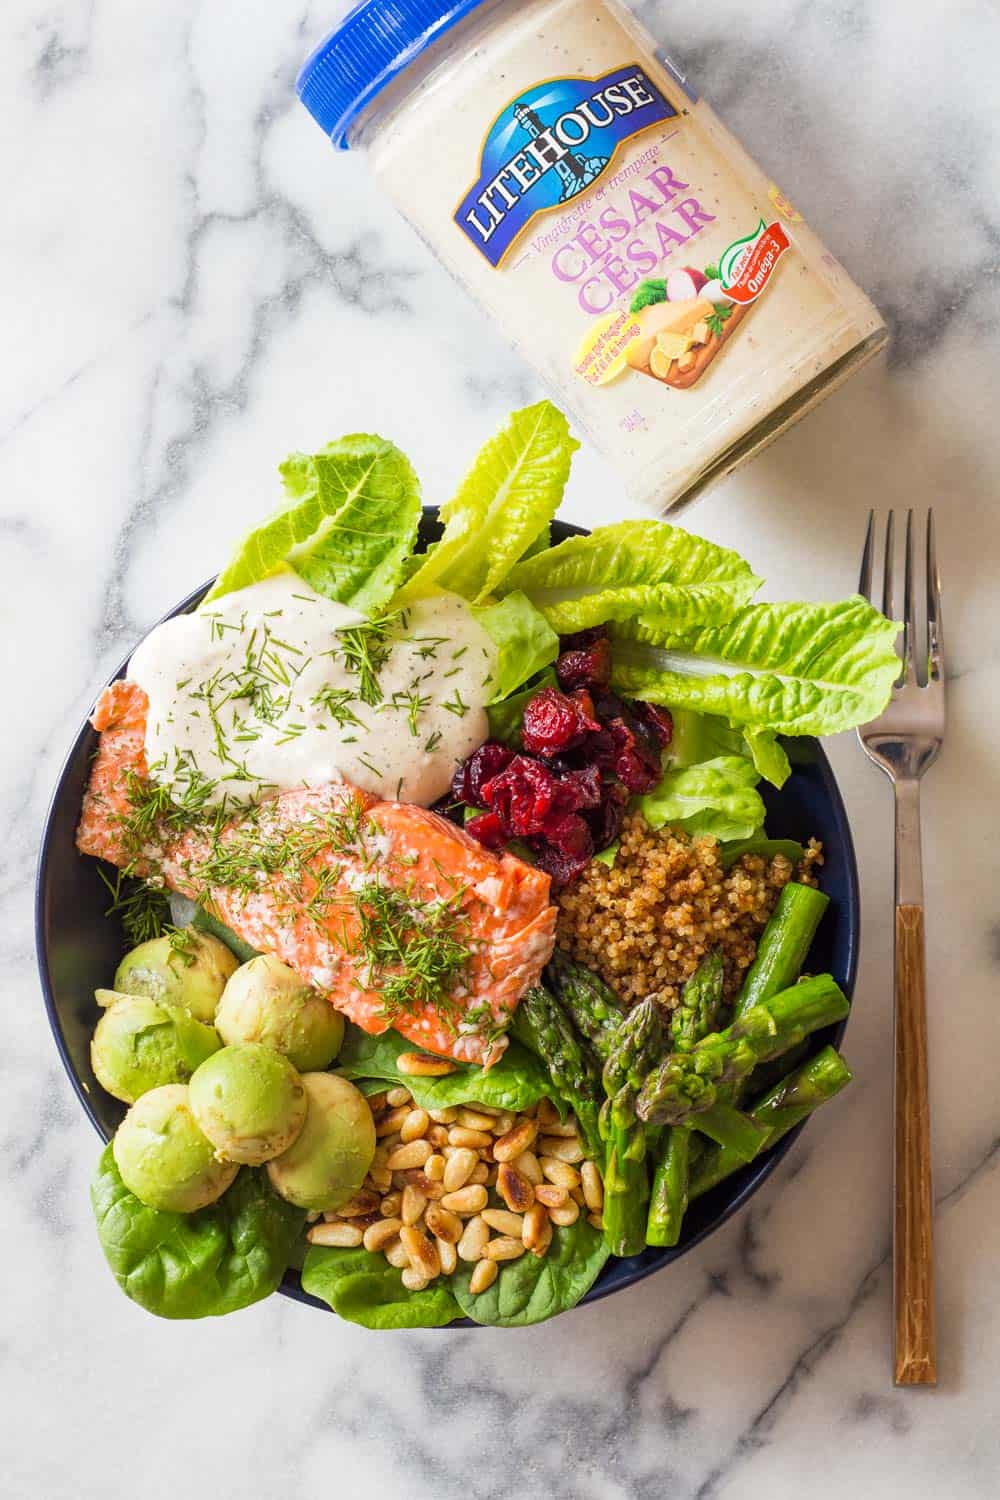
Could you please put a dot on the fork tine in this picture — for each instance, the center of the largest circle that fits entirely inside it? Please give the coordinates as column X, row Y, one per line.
column 865, row 581
column 888, row 576
column 935, row 635
column 909, row 607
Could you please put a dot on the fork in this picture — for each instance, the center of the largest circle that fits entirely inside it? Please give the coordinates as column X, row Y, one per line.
column 904, row 741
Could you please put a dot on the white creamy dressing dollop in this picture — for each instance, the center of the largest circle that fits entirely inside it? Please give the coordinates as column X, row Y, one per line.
column 259, row 691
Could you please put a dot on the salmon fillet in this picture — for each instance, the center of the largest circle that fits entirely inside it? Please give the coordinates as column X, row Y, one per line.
column 351, row 893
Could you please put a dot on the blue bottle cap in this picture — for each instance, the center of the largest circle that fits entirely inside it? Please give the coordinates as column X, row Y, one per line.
column 371, row 45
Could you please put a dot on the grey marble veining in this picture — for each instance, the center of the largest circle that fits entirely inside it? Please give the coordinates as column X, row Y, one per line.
column 191, row 284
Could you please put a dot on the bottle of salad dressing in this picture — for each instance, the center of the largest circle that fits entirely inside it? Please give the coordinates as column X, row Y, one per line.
column 672, row 298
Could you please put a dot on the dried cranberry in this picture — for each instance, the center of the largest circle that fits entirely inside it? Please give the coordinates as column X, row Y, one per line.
column 657, row 721
column 565, row 849
column 522, row 796
column 634, row 760
column 553, row 722
column 473, row 774
column 587, row 666
column 606, row 820
column 584, row 702
column 608, row 705
column 580, row 640
column 580, row 789
column 486, row 830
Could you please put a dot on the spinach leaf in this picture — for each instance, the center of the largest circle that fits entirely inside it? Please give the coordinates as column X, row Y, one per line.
column 766, row 848
column 517, row 1080
column 363, row 1288
column 196, row 1265
column 204, row 921
column 530, row 1290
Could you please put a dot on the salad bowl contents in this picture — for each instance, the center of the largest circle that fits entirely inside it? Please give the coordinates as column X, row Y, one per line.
column 460, row 964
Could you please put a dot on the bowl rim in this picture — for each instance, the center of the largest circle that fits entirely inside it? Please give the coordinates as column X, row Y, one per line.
column 631, row 1271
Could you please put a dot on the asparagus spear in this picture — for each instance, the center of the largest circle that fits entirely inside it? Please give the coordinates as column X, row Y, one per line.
column 542, row 1025
column 668, row 1199
column 701, row 1008
column 688, row 1083
column 593, row 1006
column 637, row 1044
column 784, row 944
column 779, row 1111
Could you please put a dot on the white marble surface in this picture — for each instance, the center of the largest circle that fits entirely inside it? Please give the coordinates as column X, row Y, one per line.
column 190, row 285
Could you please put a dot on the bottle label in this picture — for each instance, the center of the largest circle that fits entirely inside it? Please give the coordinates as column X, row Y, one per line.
column 552, row 142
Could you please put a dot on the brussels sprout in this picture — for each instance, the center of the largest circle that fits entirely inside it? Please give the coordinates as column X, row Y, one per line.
column 163, row 1157
column 190, row 970
column 266, row 1001
column 249, row 1101
column 140, row 1044
column 328, row 1163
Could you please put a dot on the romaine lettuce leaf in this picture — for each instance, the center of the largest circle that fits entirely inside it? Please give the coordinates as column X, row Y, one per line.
column 349, row 527
column 717, row 798
column 632, row 569
column 700, row 737
column 509, row 497
column 525, row 642
column 790, row 668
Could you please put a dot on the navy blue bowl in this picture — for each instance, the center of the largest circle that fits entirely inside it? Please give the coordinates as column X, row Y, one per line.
column 79, row 949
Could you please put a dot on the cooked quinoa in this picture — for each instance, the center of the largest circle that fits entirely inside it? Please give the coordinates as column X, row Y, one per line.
column 645, row 922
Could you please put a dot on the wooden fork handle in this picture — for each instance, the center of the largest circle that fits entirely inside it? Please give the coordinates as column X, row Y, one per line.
column 913, row 1240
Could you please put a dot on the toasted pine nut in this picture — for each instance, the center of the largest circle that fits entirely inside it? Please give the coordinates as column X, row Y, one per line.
column 437, row 1135
column 527, row 1165
column 398, row 1096
column 483, row 1276
column 504, row 1122
column 504, row 1247
column 362, row 1203
column 557, row 1128
column 491, row 1176
column 422, row 1065
column 419, row 1179
column 468, row 1200
column 423, row 1256
column 562, row 1148
column 389, row 1143
column 377, row 1102
column 521, row 1138
column 547, row 1113
column 551, row 1196
column 434, row 1167
column 443, row 1116
column 380, row 1178
column 597, row 1220
column 458, row 1169
column 535, row 1227
column 390, row 1205
column 390, row 1123
column 412, row 1205
column 414, row 1126
column 593, row 1187
column 443, row 1224
column 474, row 1238
column 448, row 1256
column 560, row 1172
column 472, row 1119
column 480, row 1173
column 487, row 1109
column 413, row 1154
column 503, row 1221
column 542, row 1248
column 334, row 1234
column 413, row 1281
column 396, row 1255
column 516, row 1191
column 458, row 1135
column 568, row 1214
column 377, row 1235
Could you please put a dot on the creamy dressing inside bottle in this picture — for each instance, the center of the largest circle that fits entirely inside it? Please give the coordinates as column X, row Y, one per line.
column 665, row 289
column 274, row 686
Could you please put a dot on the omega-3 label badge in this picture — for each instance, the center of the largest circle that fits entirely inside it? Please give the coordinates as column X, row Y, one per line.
column 550, row 144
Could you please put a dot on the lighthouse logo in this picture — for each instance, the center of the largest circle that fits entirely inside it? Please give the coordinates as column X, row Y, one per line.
column 550, row 144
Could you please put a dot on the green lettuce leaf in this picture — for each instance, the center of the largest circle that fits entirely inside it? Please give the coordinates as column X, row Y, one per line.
column 529, row 1290
column 505, row 502
column 362, row 1287
column 517, row 1080
column 700, row 737
column 525, row 642
column 635, row 569
column 769, row 757
column 348, row 529
column 196, row 1265
column 790, row 668
column 717, row 798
